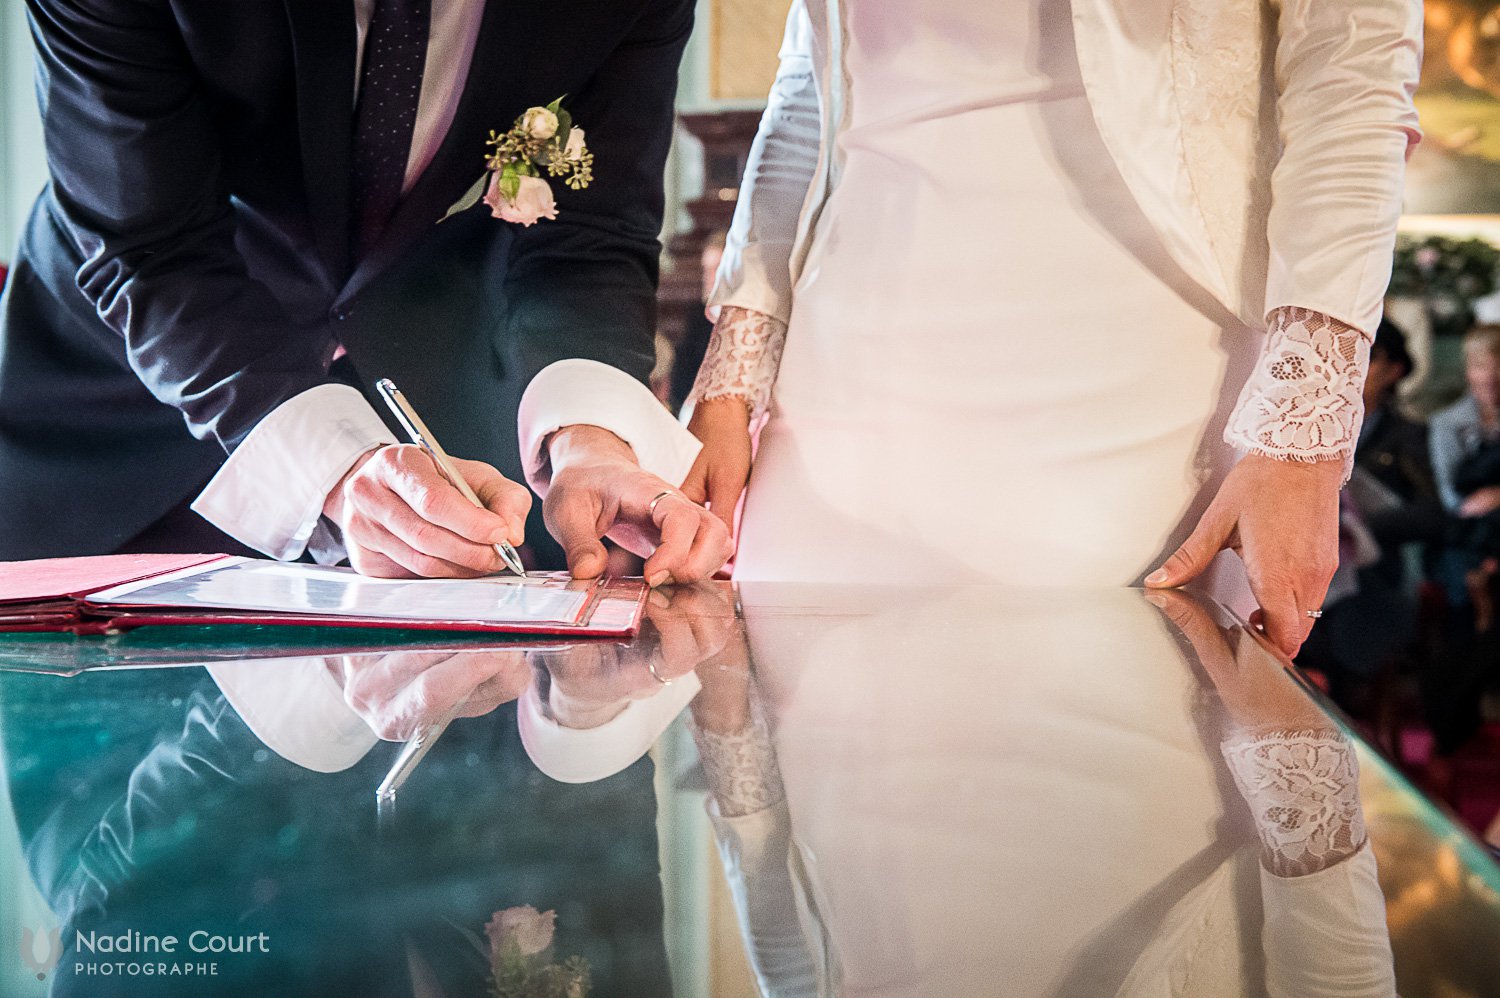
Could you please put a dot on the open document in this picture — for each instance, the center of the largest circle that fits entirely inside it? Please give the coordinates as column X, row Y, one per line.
column 114, row 592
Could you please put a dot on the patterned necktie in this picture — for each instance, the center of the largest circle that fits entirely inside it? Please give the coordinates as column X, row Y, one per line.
column 390, row 82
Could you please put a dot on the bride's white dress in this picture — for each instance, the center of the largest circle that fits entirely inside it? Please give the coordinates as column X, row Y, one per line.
column 992, row 371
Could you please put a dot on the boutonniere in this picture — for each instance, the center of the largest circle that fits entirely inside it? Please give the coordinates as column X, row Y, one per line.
column 520, row 954
column 543, row 143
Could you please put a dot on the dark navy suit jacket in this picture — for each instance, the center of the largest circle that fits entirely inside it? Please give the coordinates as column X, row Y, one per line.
column 188, row 268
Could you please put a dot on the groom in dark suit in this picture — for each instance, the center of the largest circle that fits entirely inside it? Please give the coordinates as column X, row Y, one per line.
column 240, row 236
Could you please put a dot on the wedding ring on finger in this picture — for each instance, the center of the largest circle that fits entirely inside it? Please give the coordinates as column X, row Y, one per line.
column 1314, row 614
column 651, row 665
column 651, row 507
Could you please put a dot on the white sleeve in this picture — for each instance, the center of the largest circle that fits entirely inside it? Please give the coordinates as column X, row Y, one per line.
column 579, row 392
column 1345, row 75
column 1325, row 934
column 269, row 494
column 1324, row 930
column 755, row 272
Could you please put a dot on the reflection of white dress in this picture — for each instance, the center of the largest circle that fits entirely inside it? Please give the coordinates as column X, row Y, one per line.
column 1022, row 793
column 992, row 370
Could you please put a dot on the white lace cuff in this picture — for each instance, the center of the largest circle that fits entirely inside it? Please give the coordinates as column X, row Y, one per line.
column 743, row 355
column 740, row 768
column 1303, row 792
column 1305, row 401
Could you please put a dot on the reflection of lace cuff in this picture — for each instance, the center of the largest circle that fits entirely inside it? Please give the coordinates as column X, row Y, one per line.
column 742, row 358
column 1303, row 791
column 1305, row 400
column 740, row 768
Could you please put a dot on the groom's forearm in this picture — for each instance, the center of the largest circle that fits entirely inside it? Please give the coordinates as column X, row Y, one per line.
column 589, row 399
column 583, row 444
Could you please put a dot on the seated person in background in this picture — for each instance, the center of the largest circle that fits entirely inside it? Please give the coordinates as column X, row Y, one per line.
column 1465, row 444
column 1461, row 428
column 1392, row 447
column 1392, row 488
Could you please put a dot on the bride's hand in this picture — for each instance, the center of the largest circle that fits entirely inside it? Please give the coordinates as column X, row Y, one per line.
column 1282, row 519
column 718, row 476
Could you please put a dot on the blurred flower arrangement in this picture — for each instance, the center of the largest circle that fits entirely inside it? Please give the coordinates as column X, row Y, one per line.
column 1440, row 267
column 543, row 142
column 520, row 957
column 1447, row 275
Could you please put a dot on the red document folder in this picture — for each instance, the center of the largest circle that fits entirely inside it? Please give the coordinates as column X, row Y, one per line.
column 114, row 592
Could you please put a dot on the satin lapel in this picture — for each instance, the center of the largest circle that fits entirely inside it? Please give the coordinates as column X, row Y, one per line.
column 460, row 158
column 323, row 46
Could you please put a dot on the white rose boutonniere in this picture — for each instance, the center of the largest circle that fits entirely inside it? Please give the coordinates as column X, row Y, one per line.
column 540, row 123
column 519, row 952
column 542, row 144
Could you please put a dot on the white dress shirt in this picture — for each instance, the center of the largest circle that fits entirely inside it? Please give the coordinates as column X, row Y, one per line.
column 270, row 492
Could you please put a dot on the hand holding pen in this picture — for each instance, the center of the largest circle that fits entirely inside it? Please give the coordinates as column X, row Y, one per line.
column 403, row 517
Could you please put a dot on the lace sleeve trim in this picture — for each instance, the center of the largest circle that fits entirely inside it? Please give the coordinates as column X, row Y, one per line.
column 1303, row 792
column 1305, row 400
column 743, row 355
column 740, row 767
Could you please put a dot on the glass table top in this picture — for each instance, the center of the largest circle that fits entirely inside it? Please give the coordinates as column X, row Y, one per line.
column 774, row 789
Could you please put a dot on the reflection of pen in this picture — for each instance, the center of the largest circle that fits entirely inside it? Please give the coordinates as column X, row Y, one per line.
column 422, row 437
column 412, row 753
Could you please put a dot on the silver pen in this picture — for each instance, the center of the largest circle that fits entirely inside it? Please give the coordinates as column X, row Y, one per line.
column 422, row 437
column 412, row 753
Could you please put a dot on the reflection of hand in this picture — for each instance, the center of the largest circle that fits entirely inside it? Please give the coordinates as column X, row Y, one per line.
column 684, row 626
column 400, row 693
column 722, row 706
column 1254, row 688
column 599, row 489
column 1282, row 518
column 692, row 624
column 402, row 518
column 1296, row 771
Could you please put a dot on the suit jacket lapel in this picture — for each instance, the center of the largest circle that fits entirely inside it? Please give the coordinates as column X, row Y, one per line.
column 323, row 47
column 460, row 158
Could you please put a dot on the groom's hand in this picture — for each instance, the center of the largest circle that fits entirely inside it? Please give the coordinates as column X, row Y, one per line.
column 401, row 517
column 599, row 489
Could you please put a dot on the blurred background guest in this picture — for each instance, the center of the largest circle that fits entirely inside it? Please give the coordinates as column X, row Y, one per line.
column 1392, row 446
column 1465, row 444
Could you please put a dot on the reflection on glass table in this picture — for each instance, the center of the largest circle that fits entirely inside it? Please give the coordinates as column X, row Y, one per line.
column 963, row 791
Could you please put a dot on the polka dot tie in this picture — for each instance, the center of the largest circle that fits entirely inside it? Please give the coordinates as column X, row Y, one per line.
column 390, row 82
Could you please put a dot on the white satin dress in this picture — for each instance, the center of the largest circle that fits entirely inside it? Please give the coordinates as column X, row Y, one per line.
column 992, row 371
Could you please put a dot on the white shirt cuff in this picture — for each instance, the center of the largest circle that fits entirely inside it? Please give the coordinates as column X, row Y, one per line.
column 302, row 715
column 586, row 392
column 270, row 493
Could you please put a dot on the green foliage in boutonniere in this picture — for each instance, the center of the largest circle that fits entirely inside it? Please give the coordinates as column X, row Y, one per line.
column 543, row 143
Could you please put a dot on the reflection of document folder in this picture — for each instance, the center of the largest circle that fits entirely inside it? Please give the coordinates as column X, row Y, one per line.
column 96, row 595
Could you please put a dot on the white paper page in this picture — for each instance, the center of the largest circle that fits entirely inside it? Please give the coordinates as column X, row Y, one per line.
column 294, row 588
